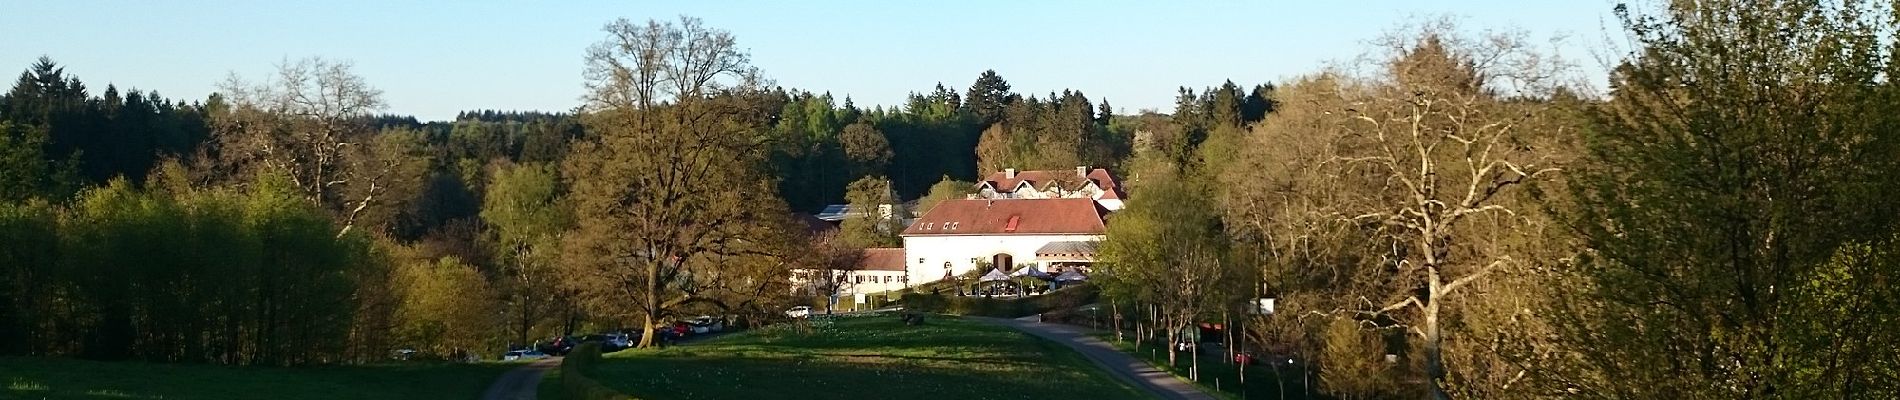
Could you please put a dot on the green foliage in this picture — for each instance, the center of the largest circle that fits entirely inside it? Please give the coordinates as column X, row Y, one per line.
column 263, row 274
column 866, row 148
column 1053, row 133
column 23, row 164
column 528, row 211
column 1739, row 191
column 98, row 137
column 1055, row 301
column 946, row 189
column 448, row 308
column 869, row 225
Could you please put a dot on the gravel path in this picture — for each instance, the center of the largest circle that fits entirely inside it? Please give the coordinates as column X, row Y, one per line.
column 521, row 383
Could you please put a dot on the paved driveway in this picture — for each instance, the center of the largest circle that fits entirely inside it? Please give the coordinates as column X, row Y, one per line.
column 1122, row 366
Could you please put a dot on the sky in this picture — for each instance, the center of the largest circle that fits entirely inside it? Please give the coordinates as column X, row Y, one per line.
column 432, row 59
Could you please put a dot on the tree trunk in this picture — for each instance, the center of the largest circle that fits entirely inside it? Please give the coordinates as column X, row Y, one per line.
column 1116, row 308
column 1434, row 352
column 1227, row 335
column 1194, row 360
column 1172, row 332
column 647, row 332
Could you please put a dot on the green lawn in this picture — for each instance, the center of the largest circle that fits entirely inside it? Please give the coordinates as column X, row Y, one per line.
column 46, row 378
column 872, row 357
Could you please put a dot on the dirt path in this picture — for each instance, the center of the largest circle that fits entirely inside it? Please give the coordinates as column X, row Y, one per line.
column 1121, row 365
column 521, row 383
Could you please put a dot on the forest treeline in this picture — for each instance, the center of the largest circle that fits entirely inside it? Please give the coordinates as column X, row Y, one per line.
column 1453, row 215
column 444, row 236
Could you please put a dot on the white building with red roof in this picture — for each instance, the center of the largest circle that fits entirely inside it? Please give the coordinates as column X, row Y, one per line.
column 1096, row 184
column 877, row 270
column 957, row 236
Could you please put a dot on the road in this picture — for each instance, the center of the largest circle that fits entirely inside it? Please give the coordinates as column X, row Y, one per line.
column 521, row 383
column 1122, row 366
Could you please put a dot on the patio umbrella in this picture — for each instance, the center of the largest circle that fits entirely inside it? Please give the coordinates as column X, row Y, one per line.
column 1031, row 271
column 1071, row 276
column 995, row 275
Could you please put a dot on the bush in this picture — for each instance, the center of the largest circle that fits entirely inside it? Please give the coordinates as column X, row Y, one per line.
column 575, row 382
column 1064, row 299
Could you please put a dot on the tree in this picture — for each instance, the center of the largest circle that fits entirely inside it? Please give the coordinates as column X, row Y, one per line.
column 988, row 97
column 1735, row 206
column 866, row 148
column 1424, row 158
column 528, row 212
column 945, row 189
column 876, row 216
column 1166, row 249
column 666, row 188
column 309, row 123
column 24, row 171
column 828, row 263
column 996, row 150
column 447, row 308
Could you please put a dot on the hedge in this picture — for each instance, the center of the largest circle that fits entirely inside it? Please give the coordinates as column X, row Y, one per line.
column 1059, row 300
column 575, row 384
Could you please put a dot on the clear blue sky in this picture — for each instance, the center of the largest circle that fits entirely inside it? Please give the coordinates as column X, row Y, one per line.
column 434, row 58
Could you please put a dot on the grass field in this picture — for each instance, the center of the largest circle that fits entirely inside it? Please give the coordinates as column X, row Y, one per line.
column 873, row 357
column 43, row 378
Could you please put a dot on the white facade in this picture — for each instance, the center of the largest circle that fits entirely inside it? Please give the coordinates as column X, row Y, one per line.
column 927, row 255
column 851, row 282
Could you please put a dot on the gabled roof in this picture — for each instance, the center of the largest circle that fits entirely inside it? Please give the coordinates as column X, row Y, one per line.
column 834, row 212
column 1011, row 217
column 813, row 226
column 882, row 259
column 1002, row 183
column 1066, row 249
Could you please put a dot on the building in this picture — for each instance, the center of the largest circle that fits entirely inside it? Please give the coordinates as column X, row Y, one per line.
column 1083, row 182
column 960, row 236
column 879, row 270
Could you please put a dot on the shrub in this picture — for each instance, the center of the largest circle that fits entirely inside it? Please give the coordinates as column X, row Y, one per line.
column 1064, row 299
column 575, row 384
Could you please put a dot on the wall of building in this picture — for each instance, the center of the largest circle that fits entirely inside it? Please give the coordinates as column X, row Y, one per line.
column 934, row 251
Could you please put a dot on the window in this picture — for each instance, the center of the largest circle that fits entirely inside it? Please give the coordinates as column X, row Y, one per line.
column 860, row 279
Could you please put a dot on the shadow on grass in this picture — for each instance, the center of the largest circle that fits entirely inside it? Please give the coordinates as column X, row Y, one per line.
column 805, row 378
column 865, row 358
column 44, row 378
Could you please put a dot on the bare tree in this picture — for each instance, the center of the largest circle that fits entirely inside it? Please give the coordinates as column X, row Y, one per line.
column 1391, row 190
column 310, row 121
column 674, row 183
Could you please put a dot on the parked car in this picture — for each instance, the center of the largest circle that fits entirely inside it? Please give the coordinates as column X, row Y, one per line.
column 798, row 312
column 609, row 342
column 560, row 345
column 403, row 354
column 523, row 355
column 707, row 324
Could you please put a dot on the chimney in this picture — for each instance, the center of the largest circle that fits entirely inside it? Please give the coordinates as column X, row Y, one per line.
column 1009, row 173
column 1082, row 171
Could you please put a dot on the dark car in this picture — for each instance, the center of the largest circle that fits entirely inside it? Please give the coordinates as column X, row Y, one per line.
column 559, row 346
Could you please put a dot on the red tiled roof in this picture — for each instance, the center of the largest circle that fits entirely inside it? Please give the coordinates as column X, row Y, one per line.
column 1001, row 181
column 882, row 259
column 1011, row 217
